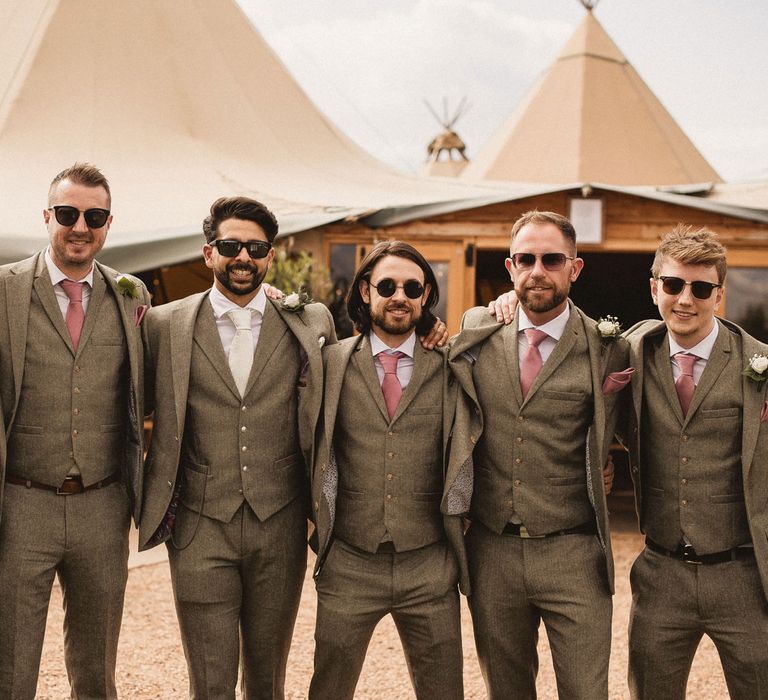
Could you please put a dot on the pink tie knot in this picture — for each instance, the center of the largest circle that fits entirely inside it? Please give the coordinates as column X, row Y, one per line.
column 686, row 361
column 534, row 336
column 389, row 361
column 73, row 290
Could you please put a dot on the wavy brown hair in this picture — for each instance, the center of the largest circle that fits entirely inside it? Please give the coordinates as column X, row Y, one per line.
column 357, row 308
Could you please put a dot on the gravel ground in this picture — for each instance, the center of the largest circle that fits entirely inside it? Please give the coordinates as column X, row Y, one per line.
column 151, row 662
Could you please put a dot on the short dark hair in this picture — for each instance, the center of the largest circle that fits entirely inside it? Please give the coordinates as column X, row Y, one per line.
column 243, row 208
column 545, row 217
column 82, row 174
column 358, row 310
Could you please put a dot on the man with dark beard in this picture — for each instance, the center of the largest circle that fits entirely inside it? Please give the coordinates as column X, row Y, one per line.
column 546, row 389
column 230, row 372
column 386, row 501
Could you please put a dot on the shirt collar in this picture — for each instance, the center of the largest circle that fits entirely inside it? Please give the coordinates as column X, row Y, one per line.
column 221, row 305
column 554, row 328
column 407, row 347
column 57, row 275
column 702, row 349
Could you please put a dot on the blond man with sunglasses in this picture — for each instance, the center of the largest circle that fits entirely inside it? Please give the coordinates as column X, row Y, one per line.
column 698, row 443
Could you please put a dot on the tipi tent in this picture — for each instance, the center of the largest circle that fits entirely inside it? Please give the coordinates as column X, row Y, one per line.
column 178, row 102
column 591, row 118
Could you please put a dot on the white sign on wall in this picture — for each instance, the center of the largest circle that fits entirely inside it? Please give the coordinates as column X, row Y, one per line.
column 586, row 215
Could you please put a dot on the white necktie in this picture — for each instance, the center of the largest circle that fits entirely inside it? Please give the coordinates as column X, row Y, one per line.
column 241, row 350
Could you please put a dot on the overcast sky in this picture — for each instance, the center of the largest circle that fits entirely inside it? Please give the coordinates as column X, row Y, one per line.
column 369, row 64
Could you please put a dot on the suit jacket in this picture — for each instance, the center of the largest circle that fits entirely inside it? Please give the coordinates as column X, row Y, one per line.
column 457, row 471
column 169, row 337
column 16, row 282
column 754, row 437
column 604, row 357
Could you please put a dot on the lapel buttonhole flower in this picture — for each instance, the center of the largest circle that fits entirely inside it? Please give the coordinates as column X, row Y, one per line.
column 757, row 369
column 126, row 286
column 608, row 328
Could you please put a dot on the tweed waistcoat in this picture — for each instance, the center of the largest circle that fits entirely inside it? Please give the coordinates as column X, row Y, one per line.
column 390, row 474
column 531, row 459
column 71, row 412
column 691, row 470
column 237, row 449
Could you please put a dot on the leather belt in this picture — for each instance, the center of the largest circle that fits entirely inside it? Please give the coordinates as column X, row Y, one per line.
column 517, row 530
column 72, row 484
column 688, row 554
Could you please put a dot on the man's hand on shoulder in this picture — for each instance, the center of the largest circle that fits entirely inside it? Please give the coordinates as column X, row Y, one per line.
column 503, row 307
column 437, row 336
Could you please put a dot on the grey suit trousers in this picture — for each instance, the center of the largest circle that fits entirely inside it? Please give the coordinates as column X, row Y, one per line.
column 674, row 604
column 356, row 589
column 516, row 583
column 237, row 588
column 82, row 538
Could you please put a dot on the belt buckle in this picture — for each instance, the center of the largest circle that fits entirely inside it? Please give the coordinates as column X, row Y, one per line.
column 525, row 535
column 71, row 480
column 689, row 555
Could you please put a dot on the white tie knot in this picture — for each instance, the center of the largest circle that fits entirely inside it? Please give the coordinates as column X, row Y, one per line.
column 241, row 318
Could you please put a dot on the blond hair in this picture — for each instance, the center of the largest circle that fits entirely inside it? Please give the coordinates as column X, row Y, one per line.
column 690, row 246
column 545, row 217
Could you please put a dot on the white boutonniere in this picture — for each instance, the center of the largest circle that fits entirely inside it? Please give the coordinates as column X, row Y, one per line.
column 126, row 286
column 608, row 328
column 295, row 301
column 757, row 369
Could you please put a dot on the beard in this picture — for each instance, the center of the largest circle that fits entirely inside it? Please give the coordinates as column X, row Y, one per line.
column 236, row 286
column 398, row 325
column 538, row 302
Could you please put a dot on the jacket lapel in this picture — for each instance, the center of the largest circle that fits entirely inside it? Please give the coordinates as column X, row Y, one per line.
column 363, row 361
column 718, row 359
column 183, row 321
column 509, row 335
column 209, row 341
column 572, row 330
column 421, row 364
column 47, row 296
column 754, row 396
column 94, row 306
column 662, row 366
column 18, row 287
column 272, row 331
column 337, row 358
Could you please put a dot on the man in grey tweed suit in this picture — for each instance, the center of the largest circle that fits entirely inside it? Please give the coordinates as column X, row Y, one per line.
column 226, row 484
column 386, row 502
column 700, row 464
column 71, row 384
column 539, row 546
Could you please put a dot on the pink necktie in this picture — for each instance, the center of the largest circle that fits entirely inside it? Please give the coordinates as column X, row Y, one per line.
column 684, row 383
column 532, row 361
column 75, row 315
column 390, row 385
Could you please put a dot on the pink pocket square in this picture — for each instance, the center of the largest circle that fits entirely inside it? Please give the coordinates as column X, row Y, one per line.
column 616, row 381
column 138, row 315
column 764, row 413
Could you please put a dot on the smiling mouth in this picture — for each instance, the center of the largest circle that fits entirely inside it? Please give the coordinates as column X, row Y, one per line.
column 240, row 274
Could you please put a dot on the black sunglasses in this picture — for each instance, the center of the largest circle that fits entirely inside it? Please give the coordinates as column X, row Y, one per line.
column 230, row 248
column 551, row 261
column 387, row 287
column 68, row 216
column 700, row 289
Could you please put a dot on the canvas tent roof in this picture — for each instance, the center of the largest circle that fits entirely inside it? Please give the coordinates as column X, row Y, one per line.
column 591, row 118
column 178, row 102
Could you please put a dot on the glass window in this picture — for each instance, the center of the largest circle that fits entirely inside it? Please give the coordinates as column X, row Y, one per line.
column 746, row 299
column 440, row 269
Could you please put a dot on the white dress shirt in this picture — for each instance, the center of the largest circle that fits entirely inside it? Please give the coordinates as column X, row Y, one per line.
column 404, row 366
column 702, row 350
column 554, row 330
column 221, row 305
column 57, row 276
